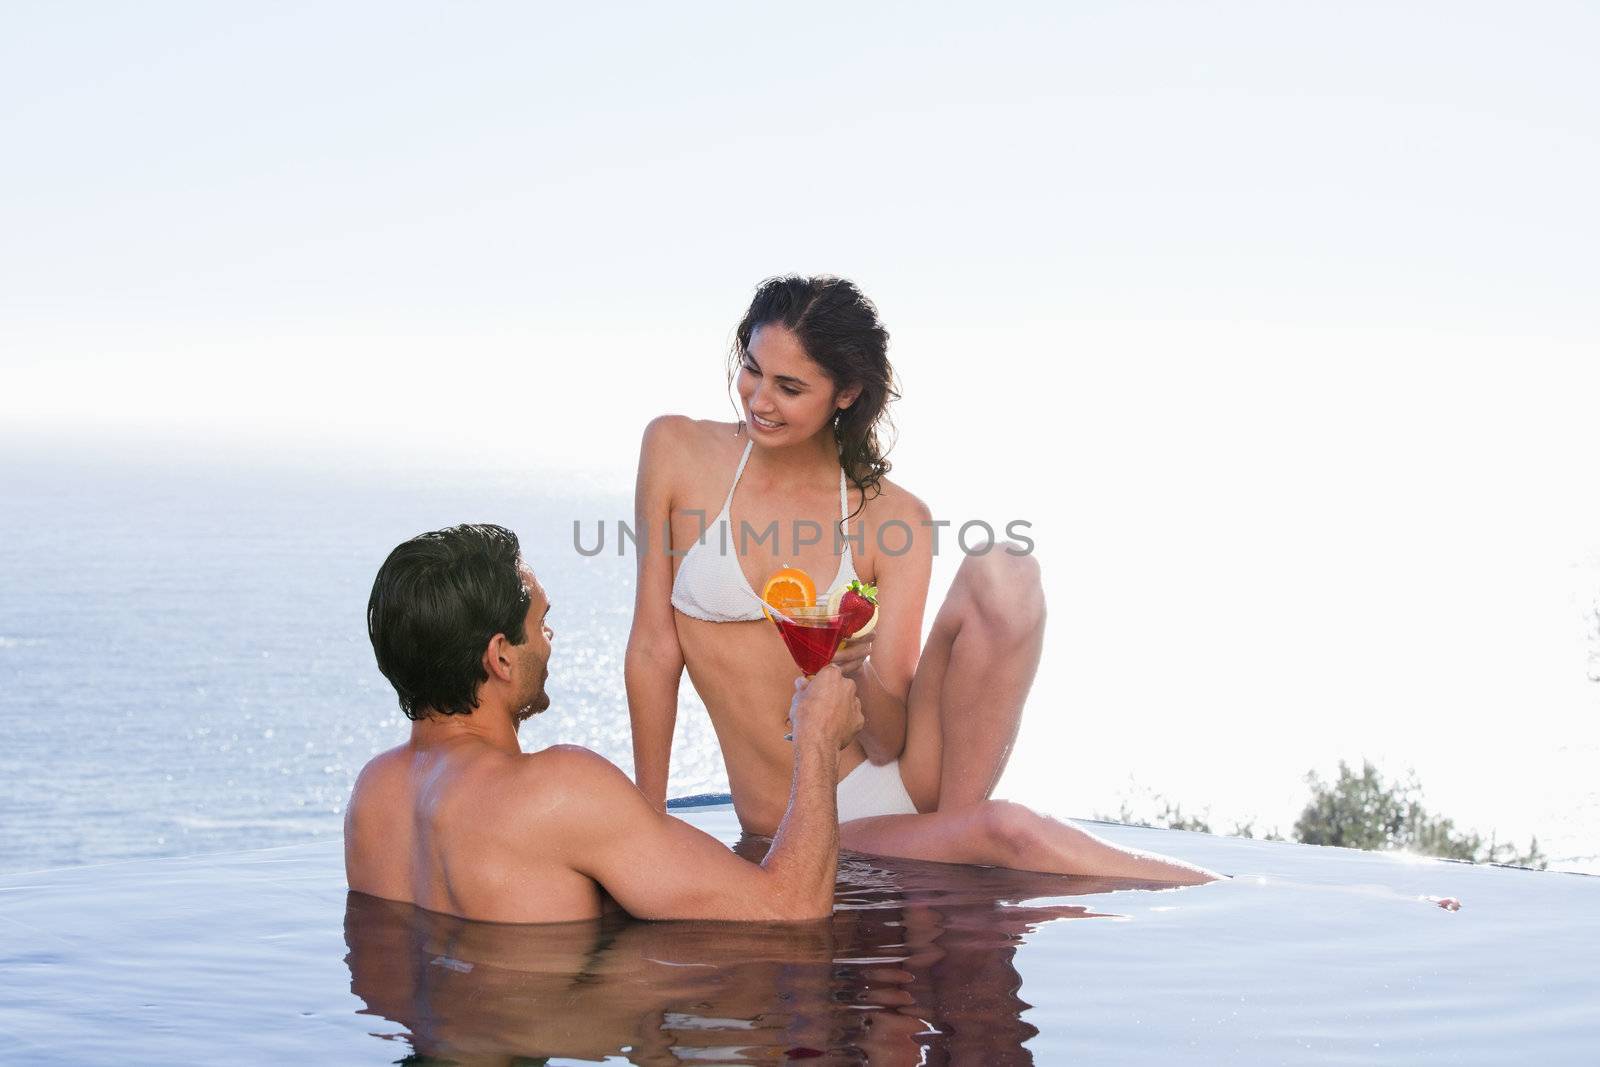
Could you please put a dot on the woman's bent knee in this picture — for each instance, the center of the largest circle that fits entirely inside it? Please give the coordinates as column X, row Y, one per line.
column 1005, row 590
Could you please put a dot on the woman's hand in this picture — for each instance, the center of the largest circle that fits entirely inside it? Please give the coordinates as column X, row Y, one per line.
column 851, row 659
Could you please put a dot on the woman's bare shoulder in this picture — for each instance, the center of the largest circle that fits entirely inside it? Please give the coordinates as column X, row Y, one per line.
column 895, row 501
column 681, row 431
column 682, row 453
column 681, row 441
column 894, row 516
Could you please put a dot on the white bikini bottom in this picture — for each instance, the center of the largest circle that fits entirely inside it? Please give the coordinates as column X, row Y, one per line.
column 873, row 790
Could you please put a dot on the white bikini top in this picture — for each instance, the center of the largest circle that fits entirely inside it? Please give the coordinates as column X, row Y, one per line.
column 711, row 585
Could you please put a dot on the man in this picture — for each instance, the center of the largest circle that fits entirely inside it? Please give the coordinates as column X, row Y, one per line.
column 459, row 820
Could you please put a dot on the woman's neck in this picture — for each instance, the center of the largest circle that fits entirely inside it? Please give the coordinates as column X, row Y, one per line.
column 809, row 461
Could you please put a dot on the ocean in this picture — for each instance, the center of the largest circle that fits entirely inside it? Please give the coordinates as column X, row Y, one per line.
column 185, row 665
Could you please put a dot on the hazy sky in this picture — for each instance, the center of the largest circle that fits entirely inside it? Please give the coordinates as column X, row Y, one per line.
column 1278, row 320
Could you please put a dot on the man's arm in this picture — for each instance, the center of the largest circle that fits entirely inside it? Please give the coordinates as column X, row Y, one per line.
column 659, row 867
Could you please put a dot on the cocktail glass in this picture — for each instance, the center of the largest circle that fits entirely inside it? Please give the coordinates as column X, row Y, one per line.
column 812, row 636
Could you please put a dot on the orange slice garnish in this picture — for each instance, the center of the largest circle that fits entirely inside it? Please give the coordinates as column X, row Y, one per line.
column 788, row 589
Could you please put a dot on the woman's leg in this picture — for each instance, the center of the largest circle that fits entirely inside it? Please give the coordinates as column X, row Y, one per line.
column 966, row 698
column 963, row 712
column 1002, row 834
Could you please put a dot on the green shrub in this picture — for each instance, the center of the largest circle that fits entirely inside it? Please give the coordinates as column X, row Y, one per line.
column 1359, row 811
column 1363, row 811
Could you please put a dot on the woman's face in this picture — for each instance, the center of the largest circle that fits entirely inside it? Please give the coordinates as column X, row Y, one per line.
column 787, row 396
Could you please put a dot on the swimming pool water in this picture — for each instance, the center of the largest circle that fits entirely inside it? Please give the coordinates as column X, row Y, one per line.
column 1306, row 955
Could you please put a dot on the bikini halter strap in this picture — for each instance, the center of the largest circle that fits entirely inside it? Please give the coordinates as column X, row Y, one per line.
column 844, row 492
column 728, row 503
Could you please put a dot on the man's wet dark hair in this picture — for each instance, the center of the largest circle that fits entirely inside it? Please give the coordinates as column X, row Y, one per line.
column 437, row 601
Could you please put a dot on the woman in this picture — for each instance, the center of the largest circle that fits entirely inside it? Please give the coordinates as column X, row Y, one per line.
column 813, row 377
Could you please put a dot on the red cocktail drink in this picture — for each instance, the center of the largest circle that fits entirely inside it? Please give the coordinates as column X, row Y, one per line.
column 812, row 636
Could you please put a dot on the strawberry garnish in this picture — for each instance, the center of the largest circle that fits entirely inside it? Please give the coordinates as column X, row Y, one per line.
column 857, row 606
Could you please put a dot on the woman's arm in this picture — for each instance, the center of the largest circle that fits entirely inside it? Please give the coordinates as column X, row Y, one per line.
column 654, row 662
column 884, row 681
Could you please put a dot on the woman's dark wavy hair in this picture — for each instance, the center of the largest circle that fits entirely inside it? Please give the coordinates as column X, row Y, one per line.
column 839, row 329
column 437, row 601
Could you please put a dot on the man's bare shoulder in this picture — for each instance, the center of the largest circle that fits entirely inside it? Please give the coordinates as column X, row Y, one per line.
column 379, row 827
column 575, row 783
column 559, row 762
column 383, row 772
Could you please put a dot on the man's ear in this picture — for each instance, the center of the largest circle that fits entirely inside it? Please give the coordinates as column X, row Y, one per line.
column 496, row 661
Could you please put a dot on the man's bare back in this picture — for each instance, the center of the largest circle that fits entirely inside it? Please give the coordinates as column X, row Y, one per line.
column 467, row 829
column 459, row 820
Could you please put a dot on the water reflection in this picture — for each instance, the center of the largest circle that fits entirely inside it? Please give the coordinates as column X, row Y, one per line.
column 917, row 965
